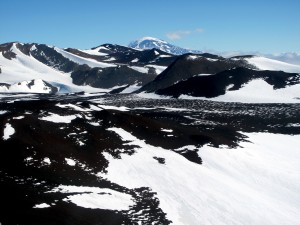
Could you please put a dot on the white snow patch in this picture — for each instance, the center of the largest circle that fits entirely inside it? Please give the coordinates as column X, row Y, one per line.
column 140, row 69
column 80, row 143
column 41, row 206
column 94, row 94
column 47, row 161
column 121, row 108
column 158, row 69
column 94, row 124
column 131, row 88
column 203, row 74
column 95, row 108
column 271, row 64
column 72, row 106
column 28, row 159
column 135, row 60
column 70, row 162
column 167, row 130
column 8, row 131
column 18, row 117
column 257, row 183
column 95, row 51
column 33, row 48
column 110, row 59
column 55, row 118
column 193, row 57
column 37, row 86
column 152, row 96
column 293, row 125
column 165, row 56
column 187, row 147
column 2, row 112
column 212, row 60
column 96, row 198
column 257, row 91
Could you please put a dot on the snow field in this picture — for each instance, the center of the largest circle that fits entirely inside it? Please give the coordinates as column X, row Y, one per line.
column 256, row 183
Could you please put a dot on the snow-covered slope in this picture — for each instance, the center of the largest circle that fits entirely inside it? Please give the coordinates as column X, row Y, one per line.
column 80, row 60
column 24, row 67
column 257, row 91
column 150, row 42
column 253, row 184
column 288, row 57
column 263, row 63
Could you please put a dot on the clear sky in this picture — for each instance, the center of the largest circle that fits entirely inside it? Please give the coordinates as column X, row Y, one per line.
column 268, row 26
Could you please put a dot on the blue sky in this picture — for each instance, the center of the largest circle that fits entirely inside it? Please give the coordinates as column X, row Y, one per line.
column 268, row 26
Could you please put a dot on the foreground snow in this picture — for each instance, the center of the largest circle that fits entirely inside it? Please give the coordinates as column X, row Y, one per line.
column 256, row 183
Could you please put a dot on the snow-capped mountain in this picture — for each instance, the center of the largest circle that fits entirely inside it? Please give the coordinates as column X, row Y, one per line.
column 118, row 69
column 105, row 67
column 150, row 43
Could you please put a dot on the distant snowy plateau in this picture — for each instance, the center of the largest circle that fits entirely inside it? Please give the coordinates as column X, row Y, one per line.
column 147, row 134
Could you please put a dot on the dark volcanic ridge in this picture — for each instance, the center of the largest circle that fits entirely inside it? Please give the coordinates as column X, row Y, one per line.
column 214, row 85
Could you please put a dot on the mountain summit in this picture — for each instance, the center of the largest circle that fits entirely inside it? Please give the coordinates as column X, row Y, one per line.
column 150, row 42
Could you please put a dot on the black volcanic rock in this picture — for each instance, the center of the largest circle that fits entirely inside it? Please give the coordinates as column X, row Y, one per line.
column 110, row 77
column 189, row 65
column 50, row 57
column 214, row 85
column 5, row 49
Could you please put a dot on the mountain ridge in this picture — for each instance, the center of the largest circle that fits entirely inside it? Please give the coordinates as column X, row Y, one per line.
column 112, row 68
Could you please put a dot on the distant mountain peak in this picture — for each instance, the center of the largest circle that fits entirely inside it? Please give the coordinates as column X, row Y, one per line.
column 151, row 42
column 151, row 39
